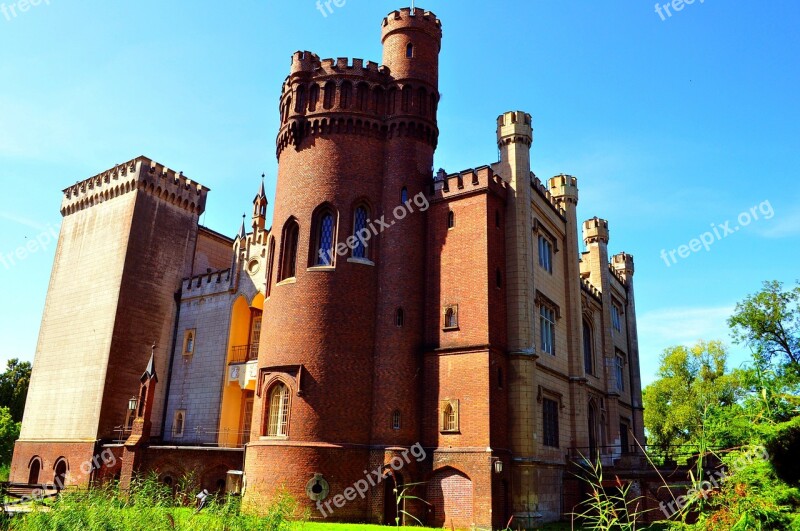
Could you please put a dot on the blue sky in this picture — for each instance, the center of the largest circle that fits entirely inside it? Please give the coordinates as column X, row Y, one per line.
column 671, row 125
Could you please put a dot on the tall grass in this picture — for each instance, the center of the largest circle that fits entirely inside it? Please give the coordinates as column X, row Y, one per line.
column 150, row 505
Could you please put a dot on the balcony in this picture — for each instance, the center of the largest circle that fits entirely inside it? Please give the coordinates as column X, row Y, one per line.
column 243, row 354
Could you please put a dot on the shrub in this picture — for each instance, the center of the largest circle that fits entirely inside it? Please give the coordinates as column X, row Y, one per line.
column 784, row 448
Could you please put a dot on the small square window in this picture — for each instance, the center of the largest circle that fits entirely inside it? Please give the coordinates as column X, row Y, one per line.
column 449, row 422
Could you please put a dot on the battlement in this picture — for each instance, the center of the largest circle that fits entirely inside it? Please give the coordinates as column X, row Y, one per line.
column 211, row 283
column 542, row 190
column 304, row 61
column 514, row 127
column 468, row 181
column 564, row 188
column 595, row 230
column 623, row 263
column 142, row 174
column 589, row 288
column 405, row 18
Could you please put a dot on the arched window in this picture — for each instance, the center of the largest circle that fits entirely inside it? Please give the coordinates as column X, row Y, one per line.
column 301, row 99
column 291, row 233
column 403, row 196
column 399, row 318
column 593, row 431
column 588, row 351
column 391, row 101
column 270, row 263
column 361, row 232
column 380, row 101
column 451, row 317
column 410, row 51
column 287, row 109
column 278, row 414
column 33, row 474
column 407, row 96
column 60, row 473
column 346, row 95
column 190, row 343
column 450, row 416
column 396, row 419
column 313, row 97
column 362, row 96
column 177, row 426
column 330, row 95
column 422, row 101
column 451, row 219
column 324, row 237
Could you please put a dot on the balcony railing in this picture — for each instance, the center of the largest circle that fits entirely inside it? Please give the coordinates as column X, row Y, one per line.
column 243, row 354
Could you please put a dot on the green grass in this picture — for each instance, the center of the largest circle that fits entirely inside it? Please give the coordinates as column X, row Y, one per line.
column 321, row 526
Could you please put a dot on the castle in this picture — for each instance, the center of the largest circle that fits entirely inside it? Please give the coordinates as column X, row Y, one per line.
column 392, row 326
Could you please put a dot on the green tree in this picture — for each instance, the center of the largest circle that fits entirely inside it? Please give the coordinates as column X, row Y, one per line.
column 769, row 323
column 693, row 387
column 9, row 433
column 14, row 387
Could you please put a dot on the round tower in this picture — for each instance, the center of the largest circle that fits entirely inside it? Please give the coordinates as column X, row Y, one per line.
column 412, row 40
column 411, row 44
column 353, row 140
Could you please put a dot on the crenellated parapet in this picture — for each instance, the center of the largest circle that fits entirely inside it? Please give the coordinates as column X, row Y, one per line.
column 545, row 194
column 468, row 181
column 564, row 189
column 417, row 19
column 514, row 127
column 591, row 290
column 140, row 174
column 335, row 96
column 208, row 284
column 595, row 230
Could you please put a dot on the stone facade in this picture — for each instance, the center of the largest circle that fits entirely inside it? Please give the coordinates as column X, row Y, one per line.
column 393, row 324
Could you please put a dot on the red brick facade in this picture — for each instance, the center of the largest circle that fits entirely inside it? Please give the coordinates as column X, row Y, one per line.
column 404, row 316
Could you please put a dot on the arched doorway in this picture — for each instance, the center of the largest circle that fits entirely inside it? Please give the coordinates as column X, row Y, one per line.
column 60, row 475
column 35, row 467
column 392, row 480
column 450, row 494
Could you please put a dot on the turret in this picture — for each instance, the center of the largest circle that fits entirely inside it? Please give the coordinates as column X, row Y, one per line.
column 623, row 265
column 260, row 208
column 595, row 236
column 412, row 40
column 564, row 189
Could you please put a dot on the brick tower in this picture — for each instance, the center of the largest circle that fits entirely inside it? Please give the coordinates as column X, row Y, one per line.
column 127, row 240
column 344, row 315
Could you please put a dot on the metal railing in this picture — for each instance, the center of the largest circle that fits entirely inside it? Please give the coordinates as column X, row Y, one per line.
column 666, row 456
column 244, row 353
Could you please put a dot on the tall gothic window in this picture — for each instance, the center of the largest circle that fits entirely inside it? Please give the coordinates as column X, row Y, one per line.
column 291, row 234
column 359, row 225
column 324, row 238
column 588, row 351
column 278, row 415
